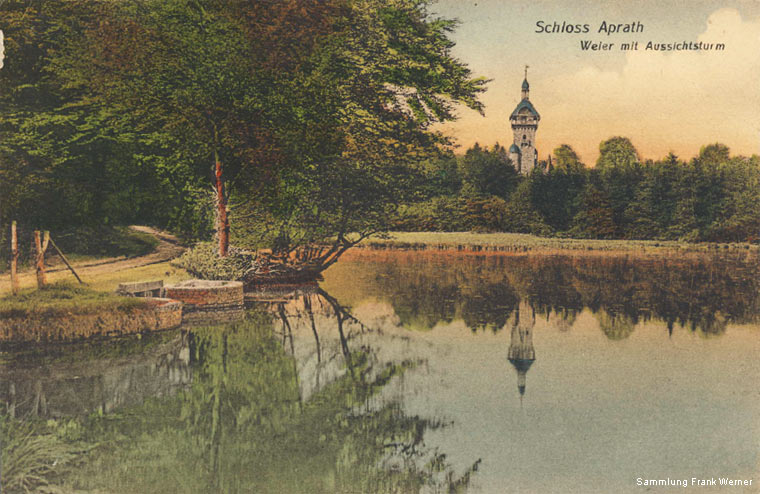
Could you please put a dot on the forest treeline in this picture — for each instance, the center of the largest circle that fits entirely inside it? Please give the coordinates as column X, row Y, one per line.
column 711, row 197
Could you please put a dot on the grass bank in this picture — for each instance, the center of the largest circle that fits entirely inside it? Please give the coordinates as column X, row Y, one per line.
column 64, row 313
column 519, row 242
column 64, row 299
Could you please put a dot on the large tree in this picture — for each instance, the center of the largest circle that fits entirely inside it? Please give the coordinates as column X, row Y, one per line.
column 368, row 96
column 620, row 170
column 311, row 117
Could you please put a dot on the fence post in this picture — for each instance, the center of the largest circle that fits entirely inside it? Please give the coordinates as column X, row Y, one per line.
column 66, row 261
column 41, row 247
column 14, row 259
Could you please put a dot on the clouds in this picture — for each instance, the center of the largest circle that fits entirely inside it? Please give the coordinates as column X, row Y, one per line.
column 669, row 100
column 663, row 101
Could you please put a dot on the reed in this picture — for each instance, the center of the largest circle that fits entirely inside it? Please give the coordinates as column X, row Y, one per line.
column 32, row 460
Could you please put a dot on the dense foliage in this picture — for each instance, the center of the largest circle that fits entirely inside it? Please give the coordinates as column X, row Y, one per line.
column 309, row 118
column 712, row 197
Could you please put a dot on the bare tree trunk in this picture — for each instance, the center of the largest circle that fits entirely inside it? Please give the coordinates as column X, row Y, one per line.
column 222, row 223
column 41, row 248
column 14, row 259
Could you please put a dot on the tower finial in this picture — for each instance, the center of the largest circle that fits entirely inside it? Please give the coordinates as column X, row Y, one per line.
column 525, row 85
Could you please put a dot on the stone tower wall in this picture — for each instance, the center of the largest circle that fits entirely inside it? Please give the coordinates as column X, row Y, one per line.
column 527, row 146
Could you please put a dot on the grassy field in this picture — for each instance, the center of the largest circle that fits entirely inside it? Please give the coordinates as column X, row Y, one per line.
column 518, row 242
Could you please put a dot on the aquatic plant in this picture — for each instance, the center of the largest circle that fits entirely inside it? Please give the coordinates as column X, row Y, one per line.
column 34, row 455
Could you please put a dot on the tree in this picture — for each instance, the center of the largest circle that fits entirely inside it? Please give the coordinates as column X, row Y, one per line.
column 488, row 172
column 701, row 192
column 375, row 87
column 620, row 171
column 183, row 71
column 617, row 152
column 555, row 193
column 595, row 218
column 314, row 114
column 441, row 176
column 651, row 212
column 738, row 218
column 521, row 215
column 565, row 158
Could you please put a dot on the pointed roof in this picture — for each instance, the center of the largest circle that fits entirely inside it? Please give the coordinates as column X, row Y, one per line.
column 525, row 104
column 514, row 149
column 525, row 86
column 521, row 364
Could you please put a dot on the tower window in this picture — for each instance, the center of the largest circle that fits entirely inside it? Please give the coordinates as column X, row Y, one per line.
column 524, row 136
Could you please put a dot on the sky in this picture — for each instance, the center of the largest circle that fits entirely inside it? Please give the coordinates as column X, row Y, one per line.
column 663, row 101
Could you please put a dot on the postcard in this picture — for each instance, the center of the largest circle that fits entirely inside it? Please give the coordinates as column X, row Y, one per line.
column 379, row 246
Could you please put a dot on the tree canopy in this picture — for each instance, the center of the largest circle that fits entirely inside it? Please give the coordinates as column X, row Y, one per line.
column 314, row 115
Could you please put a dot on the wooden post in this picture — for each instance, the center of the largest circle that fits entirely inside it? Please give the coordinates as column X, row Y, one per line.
column 223, row 225
column 14, row 259
column 41, row 247
column 66, row 261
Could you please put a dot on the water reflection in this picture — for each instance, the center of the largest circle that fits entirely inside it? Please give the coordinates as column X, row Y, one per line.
column 398, row 374
column 300, row 397
column 521, row 352
column 699, row 292
column 75, row 381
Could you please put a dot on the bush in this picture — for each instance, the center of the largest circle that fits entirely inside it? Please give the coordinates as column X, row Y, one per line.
column 203, row 261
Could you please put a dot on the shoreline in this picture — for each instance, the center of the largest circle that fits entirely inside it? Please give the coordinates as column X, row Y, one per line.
column 519, row 242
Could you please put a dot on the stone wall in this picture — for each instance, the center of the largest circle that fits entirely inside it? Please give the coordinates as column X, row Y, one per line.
column 208, row 301
column 158, row 314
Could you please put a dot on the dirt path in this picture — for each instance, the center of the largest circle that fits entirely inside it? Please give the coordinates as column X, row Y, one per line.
column 168, row 248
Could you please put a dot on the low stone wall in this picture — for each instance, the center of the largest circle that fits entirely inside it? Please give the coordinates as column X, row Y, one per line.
column 207, row 295
column 208, row 301
column 159, row 314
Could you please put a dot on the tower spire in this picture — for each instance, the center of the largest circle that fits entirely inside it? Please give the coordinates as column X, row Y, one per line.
column 525, row 85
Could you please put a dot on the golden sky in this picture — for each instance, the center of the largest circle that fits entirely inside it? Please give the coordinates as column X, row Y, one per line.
column 663, row 101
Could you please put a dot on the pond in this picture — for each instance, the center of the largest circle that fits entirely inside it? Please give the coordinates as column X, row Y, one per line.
column 423, row 372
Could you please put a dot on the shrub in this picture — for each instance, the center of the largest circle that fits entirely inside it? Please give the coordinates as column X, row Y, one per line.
column 203, row 261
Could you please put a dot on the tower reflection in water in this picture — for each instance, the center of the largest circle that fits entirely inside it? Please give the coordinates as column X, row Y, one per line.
column 521, row 353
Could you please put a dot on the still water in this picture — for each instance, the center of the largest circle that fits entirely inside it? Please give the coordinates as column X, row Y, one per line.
column 426, row 372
